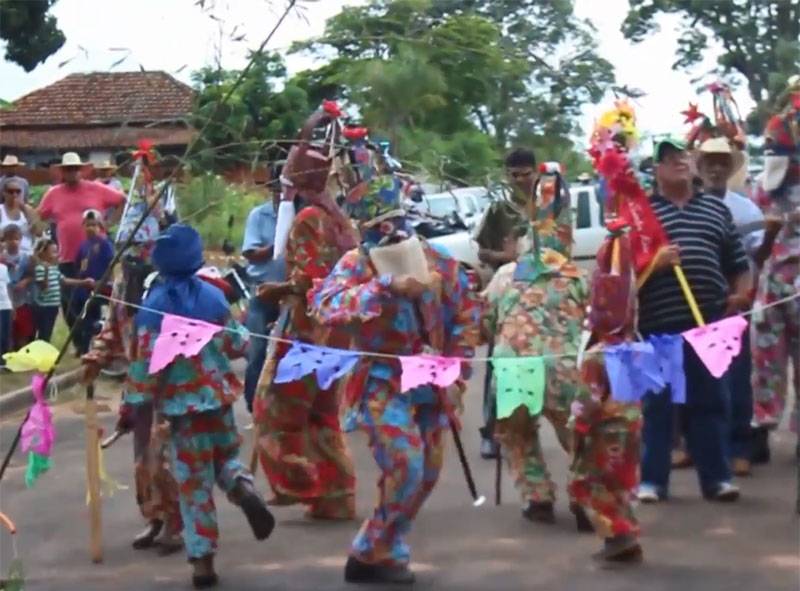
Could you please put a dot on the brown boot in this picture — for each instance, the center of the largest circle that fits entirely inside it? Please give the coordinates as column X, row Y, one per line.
column 146, row 538
column 620, row 549
column 583, row 522
column 203, row 575
column 540, row 512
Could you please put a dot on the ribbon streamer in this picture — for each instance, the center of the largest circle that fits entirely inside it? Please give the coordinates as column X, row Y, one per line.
column 180, row 336
column 110, row 484
column 718, row 343
column 301, row 360
column 520, row 382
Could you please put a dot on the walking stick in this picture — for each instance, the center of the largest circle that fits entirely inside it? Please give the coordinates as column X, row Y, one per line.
column 477, row 501
column 93, row 478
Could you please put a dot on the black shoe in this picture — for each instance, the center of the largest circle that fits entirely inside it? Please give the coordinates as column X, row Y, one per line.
column 540, row 512
column 490, row 450
column 205, row 581
column 582, row 521
column 255, row 509
column 760, row 453
column 356, row 571
column 147, row 538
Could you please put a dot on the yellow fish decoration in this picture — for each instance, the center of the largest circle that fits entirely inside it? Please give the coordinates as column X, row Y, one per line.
column 36, row 356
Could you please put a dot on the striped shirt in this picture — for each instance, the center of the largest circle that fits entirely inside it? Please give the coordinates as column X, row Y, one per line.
column 51, row 295
column 711, row 252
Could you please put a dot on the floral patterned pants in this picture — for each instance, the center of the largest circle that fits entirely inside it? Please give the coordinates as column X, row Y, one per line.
column 156, row 489
column 302, row 448
column 406, row 442
column 775, row 341
column 205, row 450
column 605, row 469
column 519, row 436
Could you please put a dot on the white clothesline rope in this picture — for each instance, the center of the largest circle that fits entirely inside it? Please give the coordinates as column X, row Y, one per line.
column 267, row 337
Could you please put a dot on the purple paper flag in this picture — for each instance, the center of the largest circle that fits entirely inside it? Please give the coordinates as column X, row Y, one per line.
column 180, row 336
column 718, row 343
column 669, row 350
column 632, row 370
column 428, row 369
column 302, row 359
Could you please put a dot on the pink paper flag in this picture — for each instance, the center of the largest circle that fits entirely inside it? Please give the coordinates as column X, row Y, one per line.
column 428, row 369
column 180, row 336
column 38, row 433
column 718, row 343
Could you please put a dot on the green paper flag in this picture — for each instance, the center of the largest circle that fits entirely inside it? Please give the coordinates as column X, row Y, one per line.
column 520, row 382
column 37, row 465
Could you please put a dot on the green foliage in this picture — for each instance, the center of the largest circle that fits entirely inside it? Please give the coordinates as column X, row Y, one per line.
column 760, row 40
column 31, row 34
column 208, row 201
column 261, row 109
column 456, row 83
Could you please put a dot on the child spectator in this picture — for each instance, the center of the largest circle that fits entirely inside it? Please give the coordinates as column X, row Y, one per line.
column 47, row 293
column 20, row 272
column 6, row 313
column 94, row 256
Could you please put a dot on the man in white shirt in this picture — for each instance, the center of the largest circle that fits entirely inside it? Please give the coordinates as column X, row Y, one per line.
column 716, row 162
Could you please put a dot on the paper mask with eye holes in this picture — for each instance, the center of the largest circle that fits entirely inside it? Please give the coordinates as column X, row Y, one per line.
column 301, row 360
column 520, row 382
column 180, row 336
column 717, row 344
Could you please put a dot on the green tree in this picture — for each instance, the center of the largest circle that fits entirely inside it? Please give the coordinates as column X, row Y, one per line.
column 760, row 40
column 30, row 32
column 263, row 109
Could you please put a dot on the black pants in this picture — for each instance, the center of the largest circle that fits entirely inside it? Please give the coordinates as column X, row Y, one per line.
column 87, row 327
column 69, row 270
column 45, row 320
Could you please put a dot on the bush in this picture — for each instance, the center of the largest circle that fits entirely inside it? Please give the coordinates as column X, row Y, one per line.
column 208, row 202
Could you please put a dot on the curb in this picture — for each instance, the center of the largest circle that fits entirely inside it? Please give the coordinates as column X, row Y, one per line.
column 22, row 398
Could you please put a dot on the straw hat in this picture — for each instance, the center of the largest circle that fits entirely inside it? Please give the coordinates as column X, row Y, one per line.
column 720, row 145
column 11, row 160
column 71, row 159
column 105, row 165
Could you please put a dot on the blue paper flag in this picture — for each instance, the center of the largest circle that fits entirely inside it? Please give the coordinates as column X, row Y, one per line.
column 632, row 370
column 302, row 359
column 669, row 350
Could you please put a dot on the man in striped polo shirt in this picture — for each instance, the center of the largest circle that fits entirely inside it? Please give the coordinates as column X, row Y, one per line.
column 705, row 242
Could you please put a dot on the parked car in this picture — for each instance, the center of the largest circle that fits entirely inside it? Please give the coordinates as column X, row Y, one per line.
column 469, row 202
column 587, row 221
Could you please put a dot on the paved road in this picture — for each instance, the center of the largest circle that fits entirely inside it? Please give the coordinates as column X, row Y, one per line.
column 689, row 544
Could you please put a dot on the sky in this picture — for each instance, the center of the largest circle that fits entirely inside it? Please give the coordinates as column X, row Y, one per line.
column 176, row 36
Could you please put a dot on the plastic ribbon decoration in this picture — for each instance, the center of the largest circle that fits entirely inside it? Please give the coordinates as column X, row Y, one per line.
column 520, row 382
column 147, row 157
column 419, row 370
column 718, row 343
column 301, row 360
column 180, row 336
column 669, row 351
column 110, row 484
column 633, row 371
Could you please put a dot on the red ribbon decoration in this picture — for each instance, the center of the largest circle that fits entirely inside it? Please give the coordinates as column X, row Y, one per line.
column 332, row 108
column 355, row 133
column 146, row 155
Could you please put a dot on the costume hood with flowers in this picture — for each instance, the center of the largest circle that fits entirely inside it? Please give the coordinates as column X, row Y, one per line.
column 782, row 144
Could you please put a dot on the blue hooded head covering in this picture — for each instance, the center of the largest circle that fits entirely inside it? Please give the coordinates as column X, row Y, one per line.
column 177, row 256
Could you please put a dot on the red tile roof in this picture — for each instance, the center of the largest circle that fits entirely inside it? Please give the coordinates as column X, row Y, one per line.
column 102, row 98
column 93, row 137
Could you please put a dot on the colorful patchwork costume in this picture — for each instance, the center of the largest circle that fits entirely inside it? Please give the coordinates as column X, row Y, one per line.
column 405, row 429
column 605, row 463
column 301, row 444
column 775, row 334
column 196, row 395
column 156, row 490
column 536, row 306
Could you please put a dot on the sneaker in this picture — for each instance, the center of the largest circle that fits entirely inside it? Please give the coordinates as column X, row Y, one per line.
column 648, row 493
column 726, row 492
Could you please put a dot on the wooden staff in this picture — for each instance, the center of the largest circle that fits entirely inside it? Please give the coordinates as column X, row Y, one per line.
column 93, row 478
